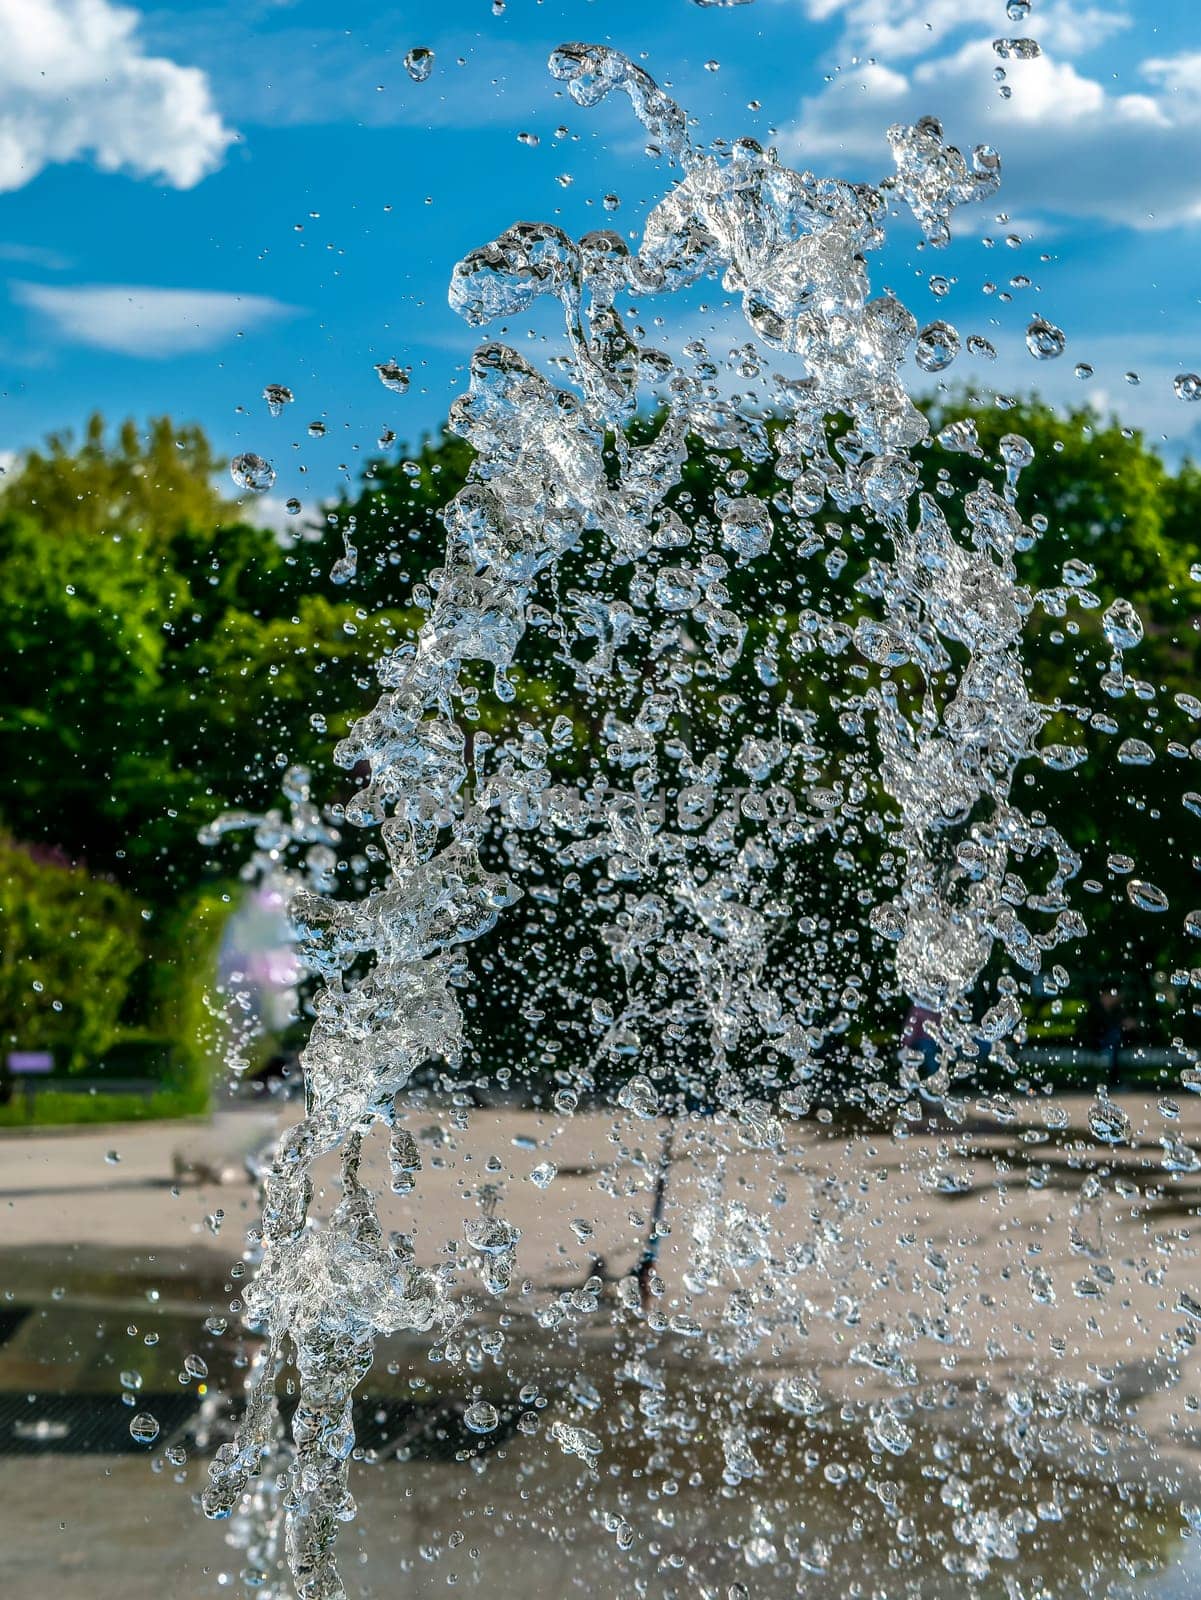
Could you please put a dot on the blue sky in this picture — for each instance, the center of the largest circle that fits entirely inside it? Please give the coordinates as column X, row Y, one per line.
column 198, row 199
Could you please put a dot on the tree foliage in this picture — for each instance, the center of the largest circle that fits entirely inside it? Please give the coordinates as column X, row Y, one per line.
column 165, row 659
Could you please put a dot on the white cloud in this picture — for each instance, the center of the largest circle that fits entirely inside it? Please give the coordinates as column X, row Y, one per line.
column 75, row 84
column 138, row 321
column 1069, row 145
column 899, row 29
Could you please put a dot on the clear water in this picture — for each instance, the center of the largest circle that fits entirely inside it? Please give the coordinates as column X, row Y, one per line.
column 790, row 1384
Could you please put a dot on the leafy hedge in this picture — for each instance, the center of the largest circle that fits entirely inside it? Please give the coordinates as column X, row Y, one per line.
column 112, row 991
column 69, row 947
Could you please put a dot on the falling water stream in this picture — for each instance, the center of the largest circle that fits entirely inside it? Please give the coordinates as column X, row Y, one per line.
column 685, row 834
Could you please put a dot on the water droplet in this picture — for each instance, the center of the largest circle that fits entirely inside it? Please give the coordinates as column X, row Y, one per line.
column 1044, row 340
column 251, row 472
column 1146, row 896
column 293, row 506
column 481, row 1417
column 1017, row 49
column 530, row 139
column 638, row 1095
column 1083, row 370
column 419, row 63
column 393, row 376
column 960, row 435
column 1188, row 386
column 978, row 345
column 1107, row 1121
column 277, row 396
column 1015, row 451
column 1078, row 574
column 1122, row 625
column 144, row 1428
column 1135, row 753
column 937, row 346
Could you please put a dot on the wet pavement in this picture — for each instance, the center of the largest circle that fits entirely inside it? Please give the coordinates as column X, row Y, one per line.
column 933, row 1359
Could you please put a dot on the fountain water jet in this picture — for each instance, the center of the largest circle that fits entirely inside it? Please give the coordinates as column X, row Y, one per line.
column 708, row 954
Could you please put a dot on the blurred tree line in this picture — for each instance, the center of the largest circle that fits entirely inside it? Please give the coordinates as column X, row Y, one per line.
column 166, row 659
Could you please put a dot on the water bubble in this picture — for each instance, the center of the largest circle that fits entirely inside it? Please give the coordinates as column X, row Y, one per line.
column 481, row 1417
column 1132, row 378
column 1044, row 340
column 1083, row 370
column 316, row 430
column 978, row 345
column 1017, row 49
column 1192, row 924
column 544, row 1174
column 293, row 506
column 251, row 472
column 393, row 376
column 1017, row 10
column 277, row 396
column 419, row 63
column 144, row 1428
column 937, row 346
column 1187, row 386
column 530, row 139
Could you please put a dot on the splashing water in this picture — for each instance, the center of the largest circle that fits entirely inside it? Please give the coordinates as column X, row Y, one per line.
column 711, row 792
